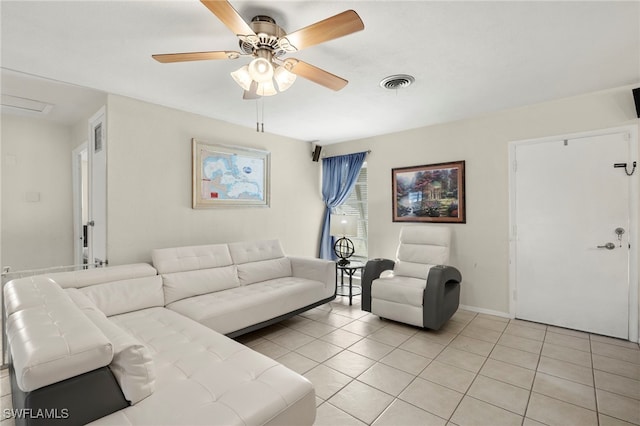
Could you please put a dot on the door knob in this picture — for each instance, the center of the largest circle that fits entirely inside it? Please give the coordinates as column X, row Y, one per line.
column 608, row 246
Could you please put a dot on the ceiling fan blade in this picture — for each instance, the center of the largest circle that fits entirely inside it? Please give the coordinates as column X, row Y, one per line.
column 315, row 74
column 229, row 16
column 195, row 56
column 340, row 25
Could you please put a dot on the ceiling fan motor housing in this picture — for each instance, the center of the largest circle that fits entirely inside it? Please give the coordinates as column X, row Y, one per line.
column 268, row 37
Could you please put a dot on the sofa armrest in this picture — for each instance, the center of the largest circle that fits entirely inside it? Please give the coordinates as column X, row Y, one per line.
column 49, row 337
column 314, row 269
column 372, row 271
column 441, row 295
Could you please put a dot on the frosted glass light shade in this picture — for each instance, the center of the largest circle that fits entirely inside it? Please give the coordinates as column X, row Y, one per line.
column 266, row 88
column 261, row 70
column 343, row 225
column 242, row 77
column 284, row 79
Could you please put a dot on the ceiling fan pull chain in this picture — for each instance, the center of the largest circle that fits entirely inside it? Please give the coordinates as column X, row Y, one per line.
column 259, row 124
column 262, row 123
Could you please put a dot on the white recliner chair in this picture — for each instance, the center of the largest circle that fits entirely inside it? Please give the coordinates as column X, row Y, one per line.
column 422, row 290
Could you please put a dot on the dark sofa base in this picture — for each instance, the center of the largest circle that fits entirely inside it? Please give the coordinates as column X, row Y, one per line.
column 75, row 401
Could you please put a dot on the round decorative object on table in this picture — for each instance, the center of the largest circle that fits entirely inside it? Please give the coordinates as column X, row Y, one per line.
column 344, row 249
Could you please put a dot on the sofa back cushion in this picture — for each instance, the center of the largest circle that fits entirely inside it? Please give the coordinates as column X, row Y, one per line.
column 87, row 277
column 194, row 270
column 116, row 289
column 259, row 261
column 132, row 363
column 180, row 285
column 118, row 297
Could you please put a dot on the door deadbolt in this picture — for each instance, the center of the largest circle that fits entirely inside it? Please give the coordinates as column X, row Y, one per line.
column 619, row 232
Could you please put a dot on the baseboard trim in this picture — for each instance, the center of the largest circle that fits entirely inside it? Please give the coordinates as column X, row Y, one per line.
column 487, row 311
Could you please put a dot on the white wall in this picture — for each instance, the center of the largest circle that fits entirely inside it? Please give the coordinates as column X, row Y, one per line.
column 149, row 185
column 481, row 246
column 36, row 159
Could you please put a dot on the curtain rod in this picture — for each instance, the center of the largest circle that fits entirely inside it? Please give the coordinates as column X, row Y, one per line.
column 331, row 156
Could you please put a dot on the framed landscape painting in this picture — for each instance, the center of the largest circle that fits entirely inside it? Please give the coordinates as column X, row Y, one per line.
column 429, row 193
column 229, row 176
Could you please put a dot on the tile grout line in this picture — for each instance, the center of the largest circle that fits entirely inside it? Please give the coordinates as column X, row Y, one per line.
column 466, row 393
column 593, row 376
column 535, row 376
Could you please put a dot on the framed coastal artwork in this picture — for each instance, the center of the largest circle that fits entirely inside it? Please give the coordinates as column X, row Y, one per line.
column 429, row 193
column 229, row 176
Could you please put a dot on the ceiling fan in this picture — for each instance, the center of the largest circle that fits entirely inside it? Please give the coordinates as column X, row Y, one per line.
column 268, row 73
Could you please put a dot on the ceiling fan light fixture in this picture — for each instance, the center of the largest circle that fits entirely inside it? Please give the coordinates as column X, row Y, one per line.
column 260, row 70
column 266, row 88
column 242, row 77
column 284, row 79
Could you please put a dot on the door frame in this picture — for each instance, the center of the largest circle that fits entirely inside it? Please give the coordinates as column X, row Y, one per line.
column 98, row 119
column 634, row 200
column 76, row 176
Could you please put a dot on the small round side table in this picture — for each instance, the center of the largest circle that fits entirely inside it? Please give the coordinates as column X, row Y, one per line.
column 350, row 270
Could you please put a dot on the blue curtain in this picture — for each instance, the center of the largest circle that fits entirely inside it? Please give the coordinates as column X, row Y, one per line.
column 339, row 175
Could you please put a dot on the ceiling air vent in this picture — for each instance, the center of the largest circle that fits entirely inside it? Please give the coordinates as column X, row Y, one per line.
column 25, row 105
column 398, row 81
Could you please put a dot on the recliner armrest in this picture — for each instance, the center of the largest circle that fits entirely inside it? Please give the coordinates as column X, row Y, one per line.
column 372, row 271
column 439, row 275
column 437, row 308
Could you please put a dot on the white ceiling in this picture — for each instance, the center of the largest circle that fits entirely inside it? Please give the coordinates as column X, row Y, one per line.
column 468, row 58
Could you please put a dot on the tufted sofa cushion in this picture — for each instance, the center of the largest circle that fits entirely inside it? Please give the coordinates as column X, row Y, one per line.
column 30, row 292
column 207, row 378
column 237, row 308
column 259, row 261
column 132, row 364
column 195, row 270
column 49, row 336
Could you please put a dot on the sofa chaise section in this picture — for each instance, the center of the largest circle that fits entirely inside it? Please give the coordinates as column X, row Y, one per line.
column 204, row 377
column 240, row 287
column 99, row 346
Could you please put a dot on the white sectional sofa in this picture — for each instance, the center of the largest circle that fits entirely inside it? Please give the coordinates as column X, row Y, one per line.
column 212, row 283
column 126, row 345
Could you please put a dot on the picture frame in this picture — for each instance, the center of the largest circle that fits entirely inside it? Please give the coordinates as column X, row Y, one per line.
column 429, row 193
column 229, row 176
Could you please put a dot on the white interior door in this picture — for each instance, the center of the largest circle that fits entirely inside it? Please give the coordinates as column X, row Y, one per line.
column 97, row 224
column 572, row 269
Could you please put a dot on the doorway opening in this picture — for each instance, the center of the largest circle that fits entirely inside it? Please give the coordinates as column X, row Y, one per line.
column 80, row 179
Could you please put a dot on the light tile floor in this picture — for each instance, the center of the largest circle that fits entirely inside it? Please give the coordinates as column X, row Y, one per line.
column 477, row 370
